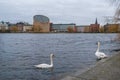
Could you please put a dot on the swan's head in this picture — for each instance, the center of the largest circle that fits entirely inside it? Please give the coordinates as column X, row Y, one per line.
column 98, row 43
column 51, row 55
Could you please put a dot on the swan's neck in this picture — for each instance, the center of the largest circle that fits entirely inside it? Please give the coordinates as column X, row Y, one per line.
column 51, row 60
column 98, row 48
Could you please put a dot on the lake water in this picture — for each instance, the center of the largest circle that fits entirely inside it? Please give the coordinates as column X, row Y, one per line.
column 20, row 52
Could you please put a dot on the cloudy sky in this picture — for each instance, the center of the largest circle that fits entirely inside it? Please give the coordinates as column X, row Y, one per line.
column 81, row 12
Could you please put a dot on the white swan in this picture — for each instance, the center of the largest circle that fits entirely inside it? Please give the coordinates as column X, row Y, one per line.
column 46, row 65
column 100, row 55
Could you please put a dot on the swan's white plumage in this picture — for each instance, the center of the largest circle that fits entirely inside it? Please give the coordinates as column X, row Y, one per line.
column 100, row 55
column 43, row 65
column 46, row 65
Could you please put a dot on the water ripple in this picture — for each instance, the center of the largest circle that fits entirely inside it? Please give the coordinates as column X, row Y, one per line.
column 20, row 52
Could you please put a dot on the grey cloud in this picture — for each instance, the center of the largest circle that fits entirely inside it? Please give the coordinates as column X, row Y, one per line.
column 59, row 11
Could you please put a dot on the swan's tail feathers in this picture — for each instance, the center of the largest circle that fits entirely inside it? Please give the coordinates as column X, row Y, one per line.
column 106, row 56
column 38, row 67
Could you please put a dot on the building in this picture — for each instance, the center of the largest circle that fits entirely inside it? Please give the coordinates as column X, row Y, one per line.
column 41, row 23
column 13, row 28
column 63, row 28
column 87, row 29
column 27, row 28
column 112, row 28
column 82, row 28
column 94, row 28
column 19, row 26
column 4, row 26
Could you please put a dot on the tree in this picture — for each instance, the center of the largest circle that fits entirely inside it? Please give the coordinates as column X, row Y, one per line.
column 117, row 13
column 101, row 29
column 70, row 29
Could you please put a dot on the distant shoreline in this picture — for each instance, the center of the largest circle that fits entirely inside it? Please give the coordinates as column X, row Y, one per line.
column 57, row 32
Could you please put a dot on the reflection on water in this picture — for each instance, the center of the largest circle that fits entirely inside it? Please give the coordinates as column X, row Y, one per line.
column 20, row 52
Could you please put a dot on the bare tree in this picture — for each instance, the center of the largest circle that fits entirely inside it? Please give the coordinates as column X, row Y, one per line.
column 117, row 13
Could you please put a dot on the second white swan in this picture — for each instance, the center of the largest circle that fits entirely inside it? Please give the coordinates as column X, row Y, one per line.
column 100, row 55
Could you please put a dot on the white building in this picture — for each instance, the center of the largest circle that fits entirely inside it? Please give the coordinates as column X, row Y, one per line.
column 4, row 26
column 27, row 28
column 62, row 27
column 81, row 28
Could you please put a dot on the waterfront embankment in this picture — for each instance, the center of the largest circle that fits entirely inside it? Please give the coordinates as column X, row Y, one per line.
column 106, row 69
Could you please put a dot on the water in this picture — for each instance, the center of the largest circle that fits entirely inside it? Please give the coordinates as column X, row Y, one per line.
column 20, row 52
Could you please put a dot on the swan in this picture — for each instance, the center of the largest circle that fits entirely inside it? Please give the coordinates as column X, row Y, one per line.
column 46, row 65
column 100, row 55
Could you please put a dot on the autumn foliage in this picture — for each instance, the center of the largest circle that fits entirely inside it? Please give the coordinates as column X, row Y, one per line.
column 70, row 29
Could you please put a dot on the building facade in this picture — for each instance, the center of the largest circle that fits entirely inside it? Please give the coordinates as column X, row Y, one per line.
column 19, row 26
column 94, row 28
column 82, row 28
column 41, row 23
column 63, row 28
column 112, row 28
column 4, row 26
column 27, row 28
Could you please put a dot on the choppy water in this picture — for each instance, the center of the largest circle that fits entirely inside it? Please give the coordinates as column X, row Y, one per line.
column 20, row 52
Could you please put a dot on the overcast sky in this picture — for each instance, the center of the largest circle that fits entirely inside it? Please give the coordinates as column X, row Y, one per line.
column 81, row 12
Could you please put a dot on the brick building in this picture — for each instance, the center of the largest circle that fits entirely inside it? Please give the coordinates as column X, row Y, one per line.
column 94, row 28
column 19, row 26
